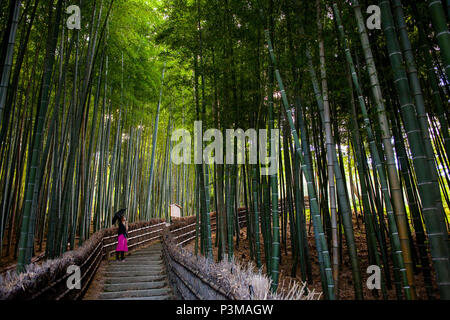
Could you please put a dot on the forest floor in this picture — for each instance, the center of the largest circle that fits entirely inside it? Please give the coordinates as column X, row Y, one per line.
column 346, row 292
column 242, row 253
column 8, row 262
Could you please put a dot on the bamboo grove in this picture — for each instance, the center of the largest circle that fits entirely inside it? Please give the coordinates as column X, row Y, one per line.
column 363, row 178
column 363, row 116
column 77, row 123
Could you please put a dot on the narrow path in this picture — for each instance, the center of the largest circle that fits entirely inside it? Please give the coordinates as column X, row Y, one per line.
column 141, row 276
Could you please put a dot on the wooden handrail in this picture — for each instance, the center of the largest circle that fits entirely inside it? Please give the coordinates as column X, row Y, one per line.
column 92, row 262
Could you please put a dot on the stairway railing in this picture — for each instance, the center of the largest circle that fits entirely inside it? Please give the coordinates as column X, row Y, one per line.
column 190, row 277
column 48, row 280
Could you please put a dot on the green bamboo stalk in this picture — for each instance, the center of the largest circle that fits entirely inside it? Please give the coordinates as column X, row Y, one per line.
column 342, row 197
column 256, row 215
column 416, row 91
column 442, row 34
column 367, row 212
column 307, row 155
column 400, row 236
column 413, row 207
column 7, row 65
column 432, row 217
column 35, row 150
column 275, row 245
column 330, row 146
column 154, row 138
column 318, row 228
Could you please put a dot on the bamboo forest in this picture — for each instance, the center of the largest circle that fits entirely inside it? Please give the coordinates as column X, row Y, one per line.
column 306, row 140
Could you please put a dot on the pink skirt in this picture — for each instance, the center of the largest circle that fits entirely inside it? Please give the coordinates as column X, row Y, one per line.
column 122, row 243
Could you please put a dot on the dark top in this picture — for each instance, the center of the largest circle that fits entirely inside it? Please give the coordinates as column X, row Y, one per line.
column 122, row 229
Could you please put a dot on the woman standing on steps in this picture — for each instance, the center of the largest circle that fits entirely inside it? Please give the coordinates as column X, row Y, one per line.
column 122, row 239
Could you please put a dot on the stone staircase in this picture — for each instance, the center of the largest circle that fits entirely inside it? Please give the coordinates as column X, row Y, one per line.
column 142, row 276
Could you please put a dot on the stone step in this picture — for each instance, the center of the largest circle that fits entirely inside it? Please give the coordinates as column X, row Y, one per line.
column 126, row 268
column 145, row 254
column 155, row 246
column 142, row 276
column 135, row 293
column 134, row 286
column 135, row 279
column 133, row 273
column 137, row 253
column 150, row 249
column 146, row 262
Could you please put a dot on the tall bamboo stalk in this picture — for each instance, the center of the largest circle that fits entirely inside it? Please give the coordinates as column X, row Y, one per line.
column 432, row 216
column 152, row 160
column 318, row 228
column 398, row 227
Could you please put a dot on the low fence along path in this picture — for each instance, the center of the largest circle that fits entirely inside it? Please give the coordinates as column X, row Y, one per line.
column 141, row 276
column 157, row 267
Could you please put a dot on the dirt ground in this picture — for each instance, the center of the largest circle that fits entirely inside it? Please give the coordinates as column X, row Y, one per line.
column 243, row 254
column 346, row 292
column 8, row 262
column 96, row 285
